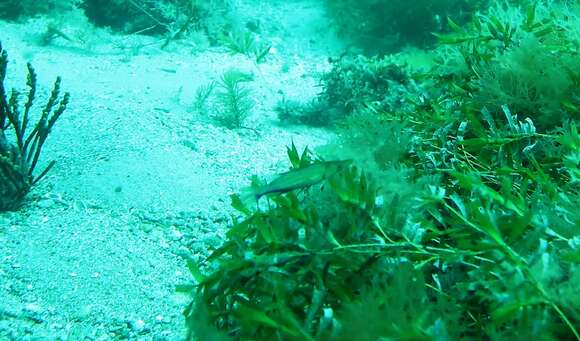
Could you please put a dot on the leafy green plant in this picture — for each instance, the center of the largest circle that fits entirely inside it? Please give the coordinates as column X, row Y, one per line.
column 202, row 94
column 283, row 272
column 334, row 264
column 261, row 52
column 19, row 159
column 463, row 225
column 244, row 42
column 354, row 83
column 235, row 99
column 241, row 42
column 503, row 174
column 524, row 59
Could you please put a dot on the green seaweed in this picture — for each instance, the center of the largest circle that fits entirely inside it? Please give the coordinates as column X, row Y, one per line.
column 19, row 159
column 458, row 220
column 244, row 42
column 235, row 99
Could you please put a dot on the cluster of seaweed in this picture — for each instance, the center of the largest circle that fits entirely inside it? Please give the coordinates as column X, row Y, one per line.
column 19, row 159
column 352, row 84
column 465, row 226
column 17, row 9
column 244, row 42
column 384, row 26
column 355, row 81
column 233, row 99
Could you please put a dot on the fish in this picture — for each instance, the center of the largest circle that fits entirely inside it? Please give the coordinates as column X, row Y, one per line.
column 297, row 178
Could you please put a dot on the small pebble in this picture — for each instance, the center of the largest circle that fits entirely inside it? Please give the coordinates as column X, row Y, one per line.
column 45, row 203
column 32, row 308
column 137, row 325
column 176, row 235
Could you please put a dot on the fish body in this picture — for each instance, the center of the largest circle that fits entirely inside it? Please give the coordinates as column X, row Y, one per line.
column 300, row 178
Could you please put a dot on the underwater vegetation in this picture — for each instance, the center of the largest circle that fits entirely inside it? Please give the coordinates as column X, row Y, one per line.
column 526, row 59
column 355, row 81
column 341, row 264
column 244, row 42
column 20, row 148
column 458, row 218
column 228, row 101
column 18, row 9
column 235, row 99
column 352, row 84
column 379, row 27
column 458, row 215
column 173, row 19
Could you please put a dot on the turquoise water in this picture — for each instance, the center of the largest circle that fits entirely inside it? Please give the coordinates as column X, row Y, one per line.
column 289, row 170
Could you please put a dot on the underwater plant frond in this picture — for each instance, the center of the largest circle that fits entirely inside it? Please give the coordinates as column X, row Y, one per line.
column 18, row 160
